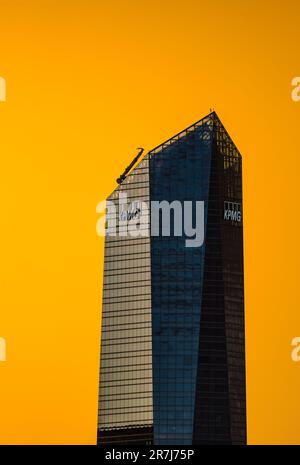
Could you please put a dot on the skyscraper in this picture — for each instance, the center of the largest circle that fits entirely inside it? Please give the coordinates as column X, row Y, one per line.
column 172, row 368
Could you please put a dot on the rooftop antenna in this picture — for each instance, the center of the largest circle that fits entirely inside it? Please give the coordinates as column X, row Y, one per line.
column 123, row 175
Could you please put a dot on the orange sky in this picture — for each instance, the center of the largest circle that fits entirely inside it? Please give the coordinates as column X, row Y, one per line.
column 87, row 83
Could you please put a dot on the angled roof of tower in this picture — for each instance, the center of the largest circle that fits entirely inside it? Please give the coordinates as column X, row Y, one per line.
column 211, row 120
column 223, row 140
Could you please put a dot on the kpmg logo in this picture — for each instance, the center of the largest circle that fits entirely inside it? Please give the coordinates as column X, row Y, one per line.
column 232, row 211
column 2, row 89
column 168, row 219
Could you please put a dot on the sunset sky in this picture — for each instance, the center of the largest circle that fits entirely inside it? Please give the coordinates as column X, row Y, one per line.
column 87, row 83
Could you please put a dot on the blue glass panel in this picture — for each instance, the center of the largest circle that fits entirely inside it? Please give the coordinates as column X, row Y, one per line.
column 181, row 172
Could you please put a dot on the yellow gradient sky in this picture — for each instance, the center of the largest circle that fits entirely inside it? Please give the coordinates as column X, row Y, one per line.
column 87, row 83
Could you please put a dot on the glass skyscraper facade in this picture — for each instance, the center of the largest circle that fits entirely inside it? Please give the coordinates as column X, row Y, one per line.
column 172, row 368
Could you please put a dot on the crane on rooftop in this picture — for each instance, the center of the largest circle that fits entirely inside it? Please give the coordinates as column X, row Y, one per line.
column 124, row 174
